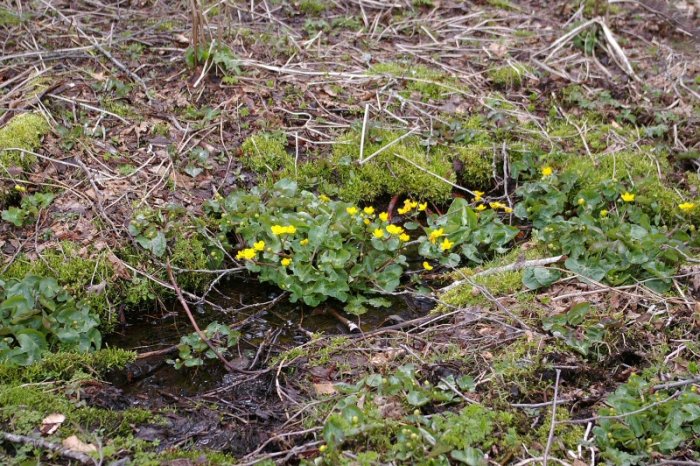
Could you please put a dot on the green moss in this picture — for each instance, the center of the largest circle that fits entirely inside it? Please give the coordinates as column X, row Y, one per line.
column 476, row 160
column 22, row 132
column 24, row 406
column 265, row 152
column 498, row 284
column 394, row 171
column 502, row 4
column 67, row 365
column 8, row 18
column 429, row 83
column 510, row 75
column 312, row 7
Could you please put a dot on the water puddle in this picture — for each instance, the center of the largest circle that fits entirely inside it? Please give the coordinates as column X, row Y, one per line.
column 154, row 383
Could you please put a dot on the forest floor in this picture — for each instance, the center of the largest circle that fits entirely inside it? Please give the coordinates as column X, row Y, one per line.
column 564, row 330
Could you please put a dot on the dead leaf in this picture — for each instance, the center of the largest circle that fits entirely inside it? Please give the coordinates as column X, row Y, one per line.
column 51, row 423
column 324, row 388
column 73, row 443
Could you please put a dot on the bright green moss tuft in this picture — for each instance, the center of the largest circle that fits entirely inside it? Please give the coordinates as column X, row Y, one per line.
column 406, row 167
column 265, row 152
column 476, row 169
column 510, row 75
column 21, row 132
column 68, row 365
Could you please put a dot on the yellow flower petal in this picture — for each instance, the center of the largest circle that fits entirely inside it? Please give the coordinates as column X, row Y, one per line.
column 627, row 197
column 446, row 244
column 404, row 237
column 259, row 246
column 686, row 206
column 286, row 262
column 384, row 217
column 368, row 210
column 351, row 210
column 427, row 266
column 547, row 171
column 378, row 233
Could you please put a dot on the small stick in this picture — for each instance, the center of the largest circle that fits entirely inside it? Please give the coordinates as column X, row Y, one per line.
column 554, row 419
column 41, row 443
column 364, row 133
column 352, row 326
column 201, row 334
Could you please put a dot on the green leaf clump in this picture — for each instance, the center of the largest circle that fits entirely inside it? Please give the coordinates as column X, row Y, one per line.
column 37, row 315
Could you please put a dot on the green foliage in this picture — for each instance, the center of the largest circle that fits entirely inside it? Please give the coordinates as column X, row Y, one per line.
column 75, row 272
column 661, row 426
column 603, row 236
column 65, row 366
column 576, row 328
column 317, row 248
column 28, row 209
column 193, row 350
column 387, row 417
column 21, row 132
column 219, row 54
column 37, row 315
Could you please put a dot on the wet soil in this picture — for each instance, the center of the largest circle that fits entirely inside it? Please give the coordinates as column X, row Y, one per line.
column 209, row 407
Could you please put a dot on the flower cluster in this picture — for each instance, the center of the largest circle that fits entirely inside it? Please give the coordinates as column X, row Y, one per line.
column 409, row 205
column 281, row 230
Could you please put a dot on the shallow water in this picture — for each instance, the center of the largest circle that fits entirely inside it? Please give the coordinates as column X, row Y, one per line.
column 153, row 379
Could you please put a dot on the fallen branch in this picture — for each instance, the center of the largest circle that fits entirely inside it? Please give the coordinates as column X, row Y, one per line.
column 41, row 443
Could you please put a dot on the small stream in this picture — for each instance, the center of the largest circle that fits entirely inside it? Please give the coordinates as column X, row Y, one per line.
column 154, row 381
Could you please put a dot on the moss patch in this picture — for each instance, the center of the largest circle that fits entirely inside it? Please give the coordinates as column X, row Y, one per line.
column 428, row 83
column 510, row 75
column 265, row 153
column 68, row 365
column 22, row 132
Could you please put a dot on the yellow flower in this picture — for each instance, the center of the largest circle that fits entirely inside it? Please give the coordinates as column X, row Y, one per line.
column 286, row 262
column 404, row 237
column 478, row 195
column 259, row 246
column 20, row 188
column 628, row 197
column 247, row 254
column 403, row 210
column 422, row 206
column 384, row 217
column 323, row 448
column 547, row 171
column 480, row 207
column 446, row 244
column 581, row 201
column 304, row 242
column 394, row 230
column 280, row 230
column 378, row 233
column 368, row 210
column 351, row 210
column 411, row 204
column 427, row 266
column 497, row 205
column 603, row 213
column 366, row 221
column 435, row 234
column 508, row 210
column 324, row 198
column 686, row 206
